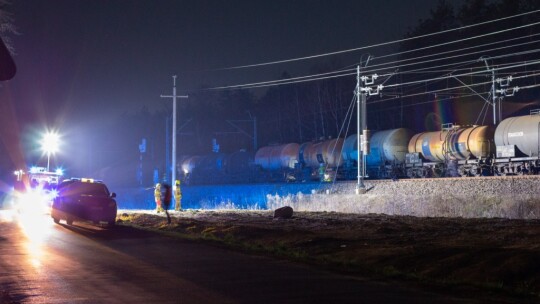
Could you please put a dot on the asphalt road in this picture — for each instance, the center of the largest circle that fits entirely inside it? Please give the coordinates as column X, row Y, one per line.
column 41, row 262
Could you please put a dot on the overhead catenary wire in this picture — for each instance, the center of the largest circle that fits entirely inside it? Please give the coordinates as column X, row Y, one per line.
column 457, row 88
column 307, row 78
column 317, row 76
column 412, row 62
column 372, row 67
column 439, row 92
column 374, row 45
column 463, row 74
column 271, row 121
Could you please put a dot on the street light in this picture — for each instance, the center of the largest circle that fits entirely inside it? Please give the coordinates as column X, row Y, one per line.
column 49, row 145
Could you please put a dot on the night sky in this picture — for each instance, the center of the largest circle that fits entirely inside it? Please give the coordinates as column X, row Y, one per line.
column 82, row 63
column 118, row 55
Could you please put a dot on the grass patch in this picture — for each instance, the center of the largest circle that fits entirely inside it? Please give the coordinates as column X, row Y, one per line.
column 326, row 252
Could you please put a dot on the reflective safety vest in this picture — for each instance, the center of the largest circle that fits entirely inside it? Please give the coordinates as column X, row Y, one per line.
column 157, row 194
column 177, row 192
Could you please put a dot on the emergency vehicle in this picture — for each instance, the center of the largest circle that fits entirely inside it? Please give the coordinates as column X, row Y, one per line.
column 35, row 189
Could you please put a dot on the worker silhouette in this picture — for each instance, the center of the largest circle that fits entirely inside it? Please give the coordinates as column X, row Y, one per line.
column 166, row 198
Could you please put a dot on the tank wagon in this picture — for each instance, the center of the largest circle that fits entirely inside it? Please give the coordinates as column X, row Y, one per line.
column 278, row 162
column 453, row 151
column 511, row 148
column 517, row 141
column 321, row 160
column 219, row 168
column 387, row 152
column 292, row 161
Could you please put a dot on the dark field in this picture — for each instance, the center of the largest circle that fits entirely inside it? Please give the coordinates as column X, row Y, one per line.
column 492, row 259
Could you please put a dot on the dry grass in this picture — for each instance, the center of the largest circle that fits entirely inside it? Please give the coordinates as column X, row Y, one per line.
column 489, row 254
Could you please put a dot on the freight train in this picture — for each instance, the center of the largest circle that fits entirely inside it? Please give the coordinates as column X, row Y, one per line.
column 511, row 148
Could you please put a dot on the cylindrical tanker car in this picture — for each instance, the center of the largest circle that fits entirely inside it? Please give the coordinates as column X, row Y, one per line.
column 456, row 150
column 518, row 145
column 320, row 160
column 219, row 168
column 310, row 160
column 513, row 147
column 278, row 162
column 386, row 155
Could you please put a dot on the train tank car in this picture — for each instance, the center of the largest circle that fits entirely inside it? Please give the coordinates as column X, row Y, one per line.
column 277, row 157
column 386, row 156
column 321, row 160
column 456, row 150
column 204, row 169
column 278, row 163
column 518, row 145
column 239, row 167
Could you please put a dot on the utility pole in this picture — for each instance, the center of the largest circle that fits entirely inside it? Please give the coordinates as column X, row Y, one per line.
column 360, row 187
column 497, row 95
column 174, row 97
column 493, row 92
column 362, row 140
column 361, row 126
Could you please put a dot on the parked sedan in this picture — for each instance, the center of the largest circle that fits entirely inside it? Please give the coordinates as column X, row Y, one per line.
column 84, row 200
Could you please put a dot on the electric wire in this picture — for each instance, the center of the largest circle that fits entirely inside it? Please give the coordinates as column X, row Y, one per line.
column 463, row 74
column 371, row 69
column 446, row 58
column 456, row 88
column 302, row 79
column 374, row 45
column 415, row 50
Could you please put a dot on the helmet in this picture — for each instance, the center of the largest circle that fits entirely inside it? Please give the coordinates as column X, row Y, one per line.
column 178, row 182
column 158, row 185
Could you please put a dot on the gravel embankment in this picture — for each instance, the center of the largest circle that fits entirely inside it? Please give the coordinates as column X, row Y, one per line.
column 509, row 197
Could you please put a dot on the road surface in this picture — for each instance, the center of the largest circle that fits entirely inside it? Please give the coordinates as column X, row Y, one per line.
column 41, row 262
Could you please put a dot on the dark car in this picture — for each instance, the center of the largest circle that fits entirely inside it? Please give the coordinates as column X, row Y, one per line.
column 84, row 200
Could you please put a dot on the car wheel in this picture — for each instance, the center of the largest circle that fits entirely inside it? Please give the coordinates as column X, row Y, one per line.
column 69, row 221
column 56, row 221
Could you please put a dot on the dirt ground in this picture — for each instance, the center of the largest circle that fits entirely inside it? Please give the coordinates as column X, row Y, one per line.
column 490, row 256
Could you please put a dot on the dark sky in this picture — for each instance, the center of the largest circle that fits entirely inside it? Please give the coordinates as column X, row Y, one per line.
column 82, row 63
column 110, row 55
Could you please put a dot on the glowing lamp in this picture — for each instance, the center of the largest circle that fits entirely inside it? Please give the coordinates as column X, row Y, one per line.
column 49, row 145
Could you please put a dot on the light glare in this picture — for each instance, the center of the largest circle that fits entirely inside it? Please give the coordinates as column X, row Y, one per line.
column 50, row 143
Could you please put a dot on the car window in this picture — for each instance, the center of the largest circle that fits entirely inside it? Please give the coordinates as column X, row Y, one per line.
column 86, row 189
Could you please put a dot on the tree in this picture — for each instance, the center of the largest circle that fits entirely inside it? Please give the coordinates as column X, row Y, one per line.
column 7, row 26
column 505, row 42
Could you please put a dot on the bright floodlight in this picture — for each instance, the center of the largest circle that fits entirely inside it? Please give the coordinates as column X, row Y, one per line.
column 50, row 145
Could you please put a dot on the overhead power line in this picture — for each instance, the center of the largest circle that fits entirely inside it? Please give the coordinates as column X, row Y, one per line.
column 461, row 75
column 373, row 67
column 349, row 72
column 373, row 45
column 437, row 91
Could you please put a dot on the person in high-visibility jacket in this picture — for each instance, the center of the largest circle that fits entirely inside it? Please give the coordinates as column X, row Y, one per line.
column 157, row 197
column 177, row 195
